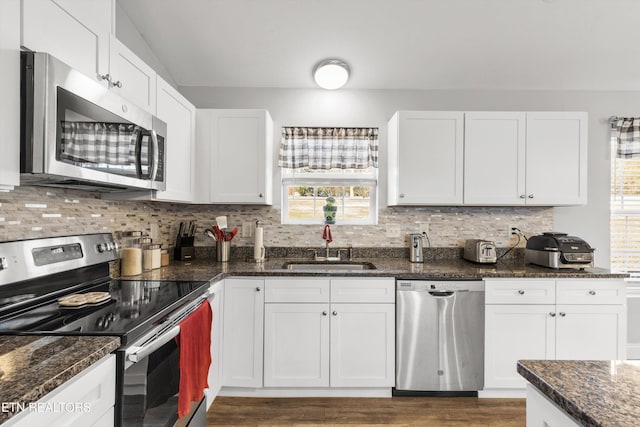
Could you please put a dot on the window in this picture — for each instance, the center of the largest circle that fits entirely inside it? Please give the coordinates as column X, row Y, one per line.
column 318, row 163
column 625, row 212
column 304, row 193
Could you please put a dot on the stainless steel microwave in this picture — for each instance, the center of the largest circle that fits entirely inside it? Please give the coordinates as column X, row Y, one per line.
column 76, row 133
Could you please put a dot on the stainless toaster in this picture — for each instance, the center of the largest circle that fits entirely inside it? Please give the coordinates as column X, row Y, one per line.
column 480, row 251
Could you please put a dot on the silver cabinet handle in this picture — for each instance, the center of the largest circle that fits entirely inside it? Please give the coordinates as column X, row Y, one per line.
column 530, row 196
column 106, row 77
column 335, row 313
column 522, row 196
column 258, row 289
column 260, row 195
column 552, row 314
column 402, row 195
column 117, row 84
column 521, row 292
column 592, row 292
column 324, row 313
column 562, row 314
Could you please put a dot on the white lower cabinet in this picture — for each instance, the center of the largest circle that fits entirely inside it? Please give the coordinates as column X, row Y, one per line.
column 590, row 332
column 296, row 345
column 557, row 319
column 215, row 370
column 514, row 332
column 318, row 341
column 363, row 345
column 242, row 346
column 542, row 412
column 94, row 390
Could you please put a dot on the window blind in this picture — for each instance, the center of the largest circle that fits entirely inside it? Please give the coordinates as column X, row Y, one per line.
column 625, row 213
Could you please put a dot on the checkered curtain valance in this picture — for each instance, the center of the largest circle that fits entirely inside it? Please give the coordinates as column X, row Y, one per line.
column 626, row 131
column 328, row 148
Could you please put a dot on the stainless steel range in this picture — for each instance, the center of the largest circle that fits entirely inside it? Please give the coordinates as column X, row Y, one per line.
column 39, row 281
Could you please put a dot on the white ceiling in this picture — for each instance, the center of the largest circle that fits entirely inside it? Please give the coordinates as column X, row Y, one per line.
column 397, row 44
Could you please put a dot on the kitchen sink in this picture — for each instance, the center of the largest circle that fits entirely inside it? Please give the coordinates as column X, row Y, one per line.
column 328, row 265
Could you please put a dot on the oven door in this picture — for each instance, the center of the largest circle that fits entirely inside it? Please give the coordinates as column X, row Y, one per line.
column 76, row 129
column 149, row 383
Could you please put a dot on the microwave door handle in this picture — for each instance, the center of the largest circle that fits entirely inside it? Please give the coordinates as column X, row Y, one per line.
column 136, row 354
column 156, row 155
column 139, row 155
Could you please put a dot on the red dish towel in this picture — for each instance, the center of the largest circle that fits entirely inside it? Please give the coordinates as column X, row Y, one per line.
column 195, row 357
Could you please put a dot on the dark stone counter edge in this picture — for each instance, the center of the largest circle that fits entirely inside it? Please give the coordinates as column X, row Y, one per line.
column 572, row 410
column 65, row 375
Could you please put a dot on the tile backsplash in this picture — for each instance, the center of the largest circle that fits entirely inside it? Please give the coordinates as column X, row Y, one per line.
column 30, row 212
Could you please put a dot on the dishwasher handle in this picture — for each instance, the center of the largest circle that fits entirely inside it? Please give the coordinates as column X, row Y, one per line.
column 442, row 294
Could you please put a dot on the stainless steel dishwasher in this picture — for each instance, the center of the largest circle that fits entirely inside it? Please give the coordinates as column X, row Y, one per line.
column 439, row 336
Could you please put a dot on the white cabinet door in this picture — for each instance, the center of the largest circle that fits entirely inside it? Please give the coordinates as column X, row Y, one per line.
column 494, row 158
column 425, row 151
column 590, row 332
column 362, row 345
column 240, row 162
column 242, row 332
column 556, row 158
column 296, row 345
column 180, row 117
column 10, row 94
column 514, row 332
column 215, row 370
column 74, row 31
column 131, row 77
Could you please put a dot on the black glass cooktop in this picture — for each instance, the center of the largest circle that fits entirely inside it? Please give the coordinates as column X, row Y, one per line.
column 134, row 307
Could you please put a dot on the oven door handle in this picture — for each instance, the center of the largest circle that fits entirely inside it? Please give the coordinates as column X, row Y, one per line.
column 136, row 354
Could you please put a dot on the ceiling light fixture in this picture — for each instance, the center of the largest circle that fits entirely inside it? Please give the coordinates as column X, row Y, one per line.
column 331, row 73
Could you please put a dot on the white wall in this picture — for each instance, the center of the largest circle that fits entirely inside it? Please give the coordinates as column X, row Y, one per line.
column 127, row 33
column 374, row 107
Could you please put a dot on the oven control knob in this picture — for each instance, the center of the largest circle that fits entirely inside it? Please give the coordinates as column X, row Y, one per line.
column 102, row 247
column 3, row 263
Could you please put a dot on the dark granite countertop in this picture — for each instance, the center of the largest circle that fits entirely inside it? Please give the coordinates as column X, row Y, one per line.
column 206, row 269
column 32, row 366
column 593, row 393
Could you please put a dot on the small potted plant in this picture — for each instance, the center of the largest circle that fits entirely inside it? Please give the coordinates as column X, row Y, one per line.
column 329, row 210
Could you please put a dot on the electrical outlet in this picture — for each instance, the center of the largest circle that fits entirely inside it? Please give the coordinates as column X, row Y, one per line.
column 513, row 230
column 393, row 230
column 247, row 228
column 424, row 227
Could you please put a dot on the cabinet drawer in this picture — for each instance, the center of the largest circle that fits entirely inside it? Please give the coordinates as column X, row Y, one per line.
column 369, row 290
column 520, row 292
column 296, row 290
column 587, row 291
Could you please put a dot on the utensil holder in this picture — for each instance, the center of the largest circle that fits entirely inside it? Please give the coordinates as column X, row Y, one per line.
column 223, row 249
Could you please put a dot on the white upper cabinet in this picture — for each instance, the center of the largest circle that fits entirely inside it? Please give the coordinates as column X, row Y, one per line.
column 75, row 31
column 556, row 166
column 131, row 77
column 180, row 116
column 494, row 162
column 10, row 94
column 488, row 158
column 425, row 150
column 537, row 158
column 235, row 156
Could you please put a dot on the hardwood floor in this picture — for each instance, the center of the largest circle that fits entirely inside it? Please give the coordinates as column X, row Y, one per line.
column 397, row 411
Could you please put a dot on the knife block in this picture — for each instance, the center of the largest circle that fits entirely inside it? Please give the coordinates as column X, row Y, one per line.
column 184, row 251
